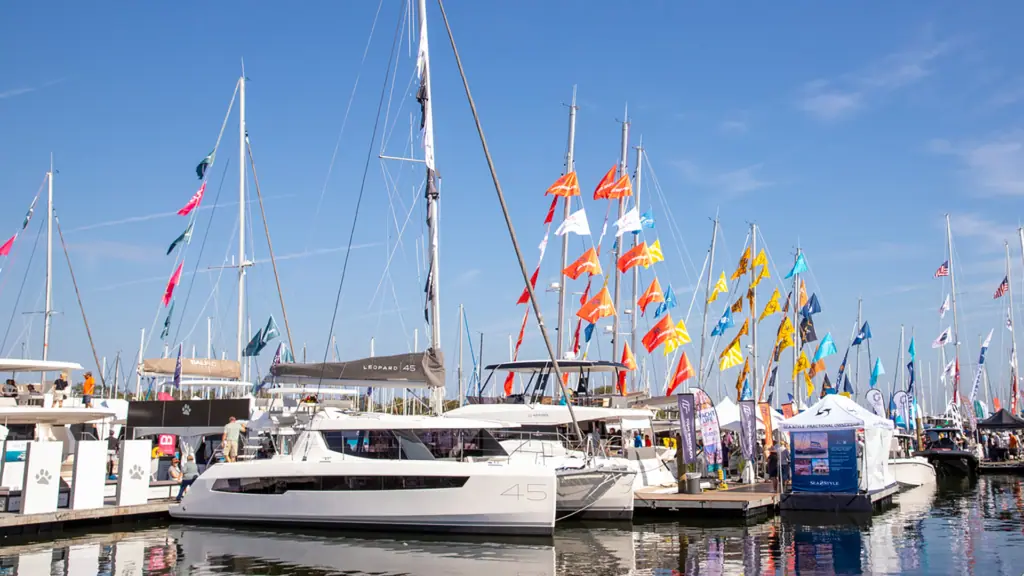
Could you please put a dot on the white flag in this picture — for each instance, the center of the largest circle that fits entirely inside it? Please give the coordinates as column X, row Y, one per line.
column 942, row 340
column 1009, row 320
column 950, row 368
column 944, row 307
column 630, row 222
column 575, row 223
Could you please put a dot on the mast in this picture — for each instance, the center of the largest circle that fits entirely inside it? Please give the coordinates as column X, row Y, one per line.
column 1010, row 319
column 797, row 344
column 48, row 311
column 856, row 330
column 956, row 327
column 636, row 271
column 899, row 367
column 753, row 307
column 432, row 193
column 459, row 377
column 569, row 167
column 618, row 241
column 241, row 216
column 707, row 294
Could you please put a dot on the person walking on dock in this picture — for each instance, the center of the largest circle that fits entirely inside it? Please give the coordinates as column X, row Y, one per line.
column 189, row 473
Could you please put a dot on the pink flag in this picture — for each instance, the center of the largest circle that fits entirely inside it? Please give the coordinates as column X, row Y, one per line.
column 6, row 248
column 193, row 202
column 171, row 284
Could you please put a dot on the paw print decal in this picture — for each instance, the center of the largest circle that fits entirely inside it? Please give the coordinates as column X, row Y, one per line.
column 43, row 477
column 136, row 472
column 185, row 410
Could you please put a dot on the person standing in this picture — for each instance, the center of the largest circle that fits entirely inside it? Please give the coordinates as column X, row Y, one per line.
column 189, row 473
column 232, row 432
column 59, row 387
column 88, row 389
column 113, row 446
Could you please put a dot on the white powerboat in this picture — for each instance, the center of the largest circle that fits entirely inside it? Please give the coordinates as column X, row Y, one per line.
column 910, row 471
column 373, row 471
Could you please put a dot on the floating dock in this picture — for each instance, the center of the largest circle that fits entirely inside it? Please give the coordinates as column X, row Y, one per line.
column 838, row 502
column 1010, row 467
column 31, row 525
column 744, row 501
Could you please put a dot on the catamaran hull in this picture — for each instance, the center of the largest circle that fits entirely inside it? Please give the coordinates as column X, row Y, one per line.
column 912, row 472
column 616, row 503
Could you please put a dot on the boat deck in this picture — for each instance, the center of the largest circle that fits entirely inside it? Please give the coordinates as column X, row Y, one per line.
column 743, row 500
column 29, row 525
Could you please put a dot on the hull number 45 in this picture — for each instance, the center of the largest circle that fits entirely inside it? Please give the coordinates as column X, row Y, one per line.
column 532, row 492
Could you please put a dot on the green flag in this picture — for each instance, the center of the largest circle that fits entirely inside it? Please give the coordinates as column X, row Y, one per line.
column 185, row 237
column 261, row 339
column 167, row 322
column 253, row 347
column 205, row 164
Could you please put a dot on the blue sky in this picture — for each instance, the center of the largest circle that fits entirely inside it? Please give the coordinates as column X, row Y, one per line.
column 847, row 130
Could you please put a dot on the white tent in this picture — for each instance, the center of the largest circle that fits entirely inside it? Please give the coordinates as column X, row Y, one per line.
column 729, row 416
column 837, row 412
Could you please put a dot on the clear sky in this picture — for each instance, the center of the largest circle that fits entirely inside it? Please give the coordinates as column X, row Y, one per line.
column 847, row 129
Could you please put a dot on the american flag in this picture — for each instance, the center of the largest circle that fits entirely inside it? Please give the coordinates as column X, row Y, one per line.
column 943, row 270
column 1004, row 287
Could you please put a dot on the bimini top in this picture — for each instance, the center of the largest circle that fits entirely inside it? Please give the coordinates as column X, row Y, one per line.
column 208, row 383
column 546, row 414
column 53, row 416
column 567, row 366
column 332, row 419
column 415, row 370
column 835, row 412
column 27, row 365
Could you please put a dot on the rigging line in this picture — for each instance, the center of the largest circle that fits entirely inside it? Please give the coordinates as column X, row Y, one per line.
column 394, row 81
column 359, row 201
column 81, row 307
column 24, row 279
column 674, row 229
column 387, row 264
column 17, row 234
column 344, row 122
column 202, row 248
column 215, row 292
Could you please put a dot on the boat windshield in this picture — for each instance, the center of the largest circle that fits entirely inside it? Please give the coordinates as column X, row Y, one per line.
column 377, row 444
column 477, row 443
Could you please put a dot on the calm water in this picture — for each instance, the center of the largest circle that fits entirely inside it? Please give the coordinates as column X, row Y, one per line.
column 955, row 529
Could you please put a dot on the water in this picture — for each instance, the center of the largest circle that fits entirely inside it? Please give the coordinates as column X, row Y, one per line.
column 953, row 529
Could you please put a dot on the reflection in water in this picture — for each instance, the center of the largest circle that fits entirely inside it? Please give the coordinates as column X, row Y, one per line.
column 953, row 529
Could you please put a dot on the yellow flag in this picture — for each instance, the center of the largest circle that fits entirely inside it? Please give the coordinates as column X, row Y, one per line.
column 655, row 251
column 741, row 268
column 772, row 306
column 784, row 341
column 737, row 306
column 847, row 394
column 750, row 298
column 786, row 327
column 761, row 275
column 761, row 260
column 802, row 364
column 671, row 344
column 720, row 288
column 810, row 385
column 732, row 357
column 681, row 333
column 744, row 330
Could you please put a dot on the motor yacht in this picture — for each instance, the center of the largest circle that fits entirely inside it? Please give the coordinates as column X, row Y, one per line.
column 910, row 471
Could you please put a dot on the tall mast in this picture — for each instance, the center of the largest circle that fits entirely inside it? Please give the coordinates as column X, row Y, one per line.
column 1013, row 333
column 433, row 290
column 753, row 307
column 707, row 304
column 569, row 167
column 956, row 327
column 636, row 270
column 899, row 367
column 856, row 330
column 797, row 344
column 618, row 241
column 462, row 391
column 241, row 216
column 48, row 311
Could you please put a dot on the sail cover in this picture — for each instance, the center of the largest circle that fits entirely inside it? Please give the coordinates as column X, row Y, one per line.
column 416, row 370
column 202, row 367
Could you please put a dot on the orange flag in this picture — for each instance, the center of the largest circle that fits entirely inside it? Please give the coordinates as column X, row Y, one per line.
column 803, row 294
column 588, row 262
column 659, row 333
column 684, row 371
column 604, row 187
column 508, row 383
column 565, row 186
column 630, row 362
column 638, row 255
column 622, row 188
column 598, row 307
column 652, row 294
column 817, row 368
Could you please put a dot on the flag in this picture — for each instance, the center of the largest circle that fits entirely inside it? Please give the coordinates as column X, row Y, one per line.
column 761, row 275
column 588, row 332
column 637, row 255
column 655, row 251
column 760, row 259
column 741, row 381
column 737, row 306
column 910, row 370
column 525, row 296
column 588, row 262
column 630, row 363
column 721, row 287
column 630, row 222
column 876, row 372
column 741, row 267
column 550, row 217
column 785, row 337
column 566, row 185
column 1009, row 320
column 6, row 248
column 807, row 332
column 193, row 202
column 599, row 307
column 684, row 371
column 863, row 334
column 668, row 304
column 652, row 294
column 826, row 387
column 810, row 385
column 799, row 266
column 682, row 336
column 817, row 367
column 772, row 306
column 659, row 333
column 731, row 357
column 744, row 330
column 847, row 387
column 270, row 332
column 575, row 223
column 802, row 300
column 185, row 237
column 943, row 339
column 177, row 369
column 622, row 188
column 605, row 186
column 252, row 348
column 205, row 164
column 28, row 215
column 647, row 219
column 912, row 350
column 949, row 369
column 278, row 354
column 724, row 323
column 812, row 307
column 175, row 278
column 1003, row 288
column 825, row 348
column 802, row 364
column 943, row 270
column 167, row 323
column 944, row 307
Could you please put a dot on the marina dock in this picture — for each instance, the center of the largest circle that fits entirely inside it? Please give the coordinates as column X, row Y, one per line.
column 745, row 501
column 29, row 525
column 1010, row 467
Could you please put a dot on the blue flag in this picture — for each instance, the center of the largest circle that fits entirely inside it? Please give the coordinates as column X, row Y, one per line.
column 842, row 367
column 724, row 323
column 910, row 386
column 798, row 267
column 847, row 387
column 647, row 219
column 177, row 369
column 863, row 334
column 812, row 307
column 668, row 304
column 825, row 348
column 877, row 371
column 746, row 394
column 588, row 332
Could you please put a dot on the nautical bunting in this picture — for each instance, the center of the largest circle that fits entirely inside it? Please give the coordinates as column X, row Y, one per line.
column 944, row 308
column 877, row 372
column 825, row 348
column 6, row 248
column 659, row 333
column 566, row 186
column 724, row 323
column 943, row 339
column 647, row 219
column 721, row 287
column 684, row 371
column 668, row 304
column 604, row 187
column 802, row 364
column 731, row 357
column 599, row 307
column 741, row 266
column 630, row 222
column 799, row 267
column 575, row 223
column 863, row 334
column 167, row 323
column 652, row 294
column 205, row 164
column 772, row 306
column 638, row 255
column 589, row 262
column 630, row 362
column 655, row 252
column 186, row 238
column 760, row 260
column 193, row 202
column 621, row 189
column 175, row 278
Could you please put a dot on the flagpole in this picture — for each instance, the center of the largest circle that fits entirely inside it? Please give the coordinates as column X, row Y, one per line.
column 47, row 312
column 860, row 322
column 618, row 243
column 462, row 391
column 899, row 367
column 1013, row 333
column 561, row 333
column 241, row 214
column 797, row 336
column 707, row 304
column 753, row 308
column 956, row 326
column 636, row 269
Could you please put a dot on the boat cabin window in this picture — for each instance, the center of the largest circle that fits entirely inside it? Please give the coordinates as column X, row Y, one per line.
column 21, row 432
column 377, row 444
column 529, row 433
column 461, row 443
column 283, row 485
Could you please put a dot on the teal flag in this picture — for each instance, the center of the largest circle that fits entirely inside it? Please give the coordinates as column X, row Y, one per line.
column 799, row 266
column 261, row 339
column 825, row 348
column 876, row 372
column 912, row 351
column 167, row 322
column 185, row 238
column 253, row 348
column 205, row 164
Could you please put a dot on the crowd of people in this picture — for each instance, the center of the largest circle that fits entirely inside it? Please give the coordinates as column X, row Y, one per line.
column 60, row 389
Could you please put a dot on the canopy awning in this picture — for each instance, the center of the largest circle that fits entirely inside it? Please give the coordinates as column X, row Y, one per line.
column 1002, row 420
column 201, row 367
column 549, row 414
column 835, row 412
column 53, row 416
column 416, row 370
column 28, row 365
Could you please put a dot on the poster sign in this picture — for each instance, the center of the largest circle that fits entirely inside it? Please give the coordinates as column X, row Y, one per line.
column 876, row 401
column 901, row 401
column 748, row 429
column 766, row 417
column 825, row 461
column 710, row 433
column 787, row 410
column 167, row 444
column 687, row 434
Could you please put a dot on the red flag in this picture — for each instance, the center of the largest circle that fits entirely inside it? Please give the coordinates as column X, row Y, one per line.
column 508, row 383
column 684, row 371
column 551, row 211
column 652, row 294
column 579, row 323
column 621, row 189
column 661, row 332
column 193, row 202
column 565, row 186
column 627, row 358
column 525, row 296
column 637, row 255
column 588, row 262
column 169, row 291
column 598, row 307
column 604, row 187
column 6, row 248
column 515, row 353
